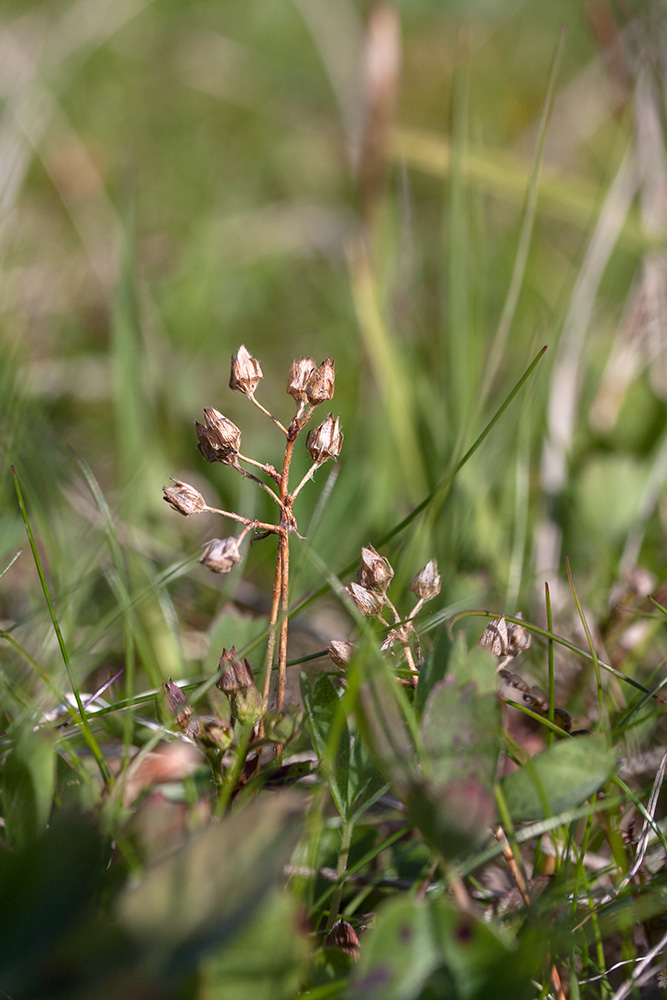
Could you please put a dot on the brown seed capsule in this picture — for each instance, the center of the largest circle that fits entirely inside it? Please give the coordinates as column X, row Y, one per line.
column 368, row 602
column 340, row 652
column 184, row 498
column 426, row 584
column 494, row 637
column 222, row 432
column 246, row 372
column 320, row 385
column 300, row 372
column 375, row 572
column 325, row 442
column 505, row 639
column 221, row 555
column 343, row 935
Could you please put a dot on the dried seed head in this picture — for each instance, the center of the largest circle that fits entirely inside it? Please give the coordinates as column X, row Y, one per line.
column 221, row 555
column 518, row 637
column 320, row 385
column 219, row 439
column 494, row 637
column 340, row 652
column 368, row 602
column 184, row 498
column 325, row 441
column 177, row 704
column 505, row 639
column 426, row 584
column 236, row 674
column 246, row 372
column 375, row 572
column 300, row 372
column 343, row 935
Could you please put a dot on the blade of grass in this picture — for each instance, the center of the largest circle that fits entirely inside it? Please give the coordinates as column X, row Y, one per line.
column 85, row 725
column 589, row 640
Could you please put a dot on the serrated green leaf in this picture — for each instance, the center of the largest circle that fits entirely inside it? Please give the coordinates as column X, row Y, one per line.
column 558, row 779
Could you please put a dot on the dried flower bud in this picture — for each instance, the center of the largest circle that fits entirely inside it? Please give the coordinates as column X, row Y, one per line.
column 325, row 441
column 368, row 602
column 184, row 498
column 505, row 639
column 494, row 637
column 300, row 372
column 221, row 555
column 238, row 684
column 375, row 572
column 343, row 935
column 177, row 704
column 340, row 652
column 320, row 385
column 219, row 439
column 518, row 636
column 212, row 733
column 236, row 674
column 246, row 372
column 426, row 584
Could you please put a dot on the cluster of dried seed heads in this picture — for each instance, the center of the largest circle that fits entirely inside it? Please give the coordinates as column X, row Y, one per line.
column 369, row 594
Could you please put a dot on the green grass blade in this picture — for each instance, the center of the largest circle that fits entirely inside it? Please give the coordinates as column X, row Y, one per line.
column 85, row 725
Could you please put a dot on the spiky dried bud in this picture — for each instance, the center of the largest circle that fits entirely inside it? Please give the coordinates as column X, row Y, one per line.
column 219, row 438
column 184, row 498
column 505, row 639
column 246, row 372
column 426, row 584
column 235, row 674
column 325, row 442
column 368, row 602
column 375, row 572
column 320, row 385
column 340, row 652
column 299, row 375
column 221, row 555
column 343, row 935
column 177, row 704
column 238, row 683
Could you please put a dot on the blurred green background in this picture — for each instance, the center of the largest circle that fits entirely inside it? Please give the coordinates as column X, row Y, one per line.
column 323, row 177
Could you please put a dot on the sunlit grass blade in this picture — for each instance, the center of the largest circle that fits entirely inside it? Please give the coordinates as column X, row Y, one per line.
column 85, row 725
column 591, row 645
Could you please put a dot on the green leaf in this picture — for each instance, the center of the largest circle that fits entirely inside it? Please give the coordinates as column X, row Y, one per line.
column 331, row 736
column 28, row 786
column 206, row 892
column 558, row 779
column 367, row 783
column 428, row 949
column 274, row 971
column 460, row 734
column 434, row 669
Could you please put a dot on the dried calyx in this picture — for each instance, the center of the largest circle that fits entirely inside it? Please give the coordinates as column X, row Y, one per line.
column 246, row 373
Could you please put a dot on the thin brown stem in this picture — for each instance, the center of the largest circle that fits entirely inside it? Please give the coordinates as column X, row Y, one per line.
column 248, row 521
column 266, row 412
column 273, row 618
column 284, row 621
